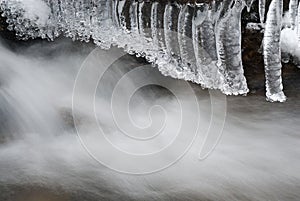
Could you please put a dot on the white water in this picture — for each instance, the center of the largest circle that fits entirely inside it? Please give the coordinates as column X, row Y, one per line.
column 257, row 158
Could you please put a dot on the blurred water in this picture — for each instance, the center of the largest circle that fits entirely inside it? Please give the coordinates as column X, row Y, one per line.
column 41, row 158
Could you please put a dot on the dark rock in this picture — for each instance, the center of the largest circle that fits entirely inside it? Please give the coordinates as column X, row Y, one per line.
column 4, row 33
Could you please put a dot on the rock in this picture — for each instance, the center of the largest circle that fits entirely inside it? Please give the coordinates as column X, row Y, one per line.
column 4, row 33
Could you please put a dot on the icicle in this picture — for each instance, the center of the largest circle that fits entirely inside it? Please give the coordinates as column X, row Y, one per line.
column 199, row 16
column 145, row 19
column 298, row 23
column 158, row 34
column 145, row 9
column 134, row 18
column 120, row 7
column 209, row 67
column 262, row 10
column 248, row 4
column 171, row 38
column 79, row 18
column 70, row 20
column 103, row 31
column 228, row 39
column 125, row 19
column 84, row 31
column 154, row 22
column 208, row 38
column 121, row 33
column 293, row 12
column 185, row 35
column 272, row 52
column 115, row 12
column 205, row 46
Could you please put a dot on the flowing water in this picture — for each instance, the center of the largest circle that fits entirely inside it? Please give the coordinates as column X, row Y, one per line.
column 42, row 157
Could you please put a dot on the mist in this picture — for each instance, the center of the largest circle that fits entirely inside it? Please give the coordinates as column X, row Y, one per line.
column 42, row 157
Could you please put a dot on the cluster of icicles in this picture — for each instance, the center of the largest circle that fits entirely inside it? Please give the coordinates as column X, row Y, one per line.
column 199, row 42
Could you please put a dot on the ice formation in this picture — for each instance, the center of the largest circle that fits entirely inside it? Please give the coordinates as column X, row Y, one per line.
column 293, row 12
column 272, row 52
column 262, row 10
column 199, row 42
column 229, row 49
column 298, row 21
